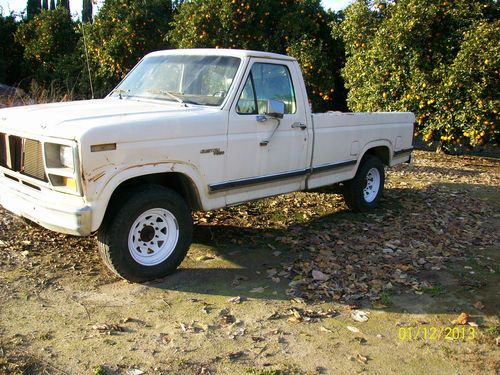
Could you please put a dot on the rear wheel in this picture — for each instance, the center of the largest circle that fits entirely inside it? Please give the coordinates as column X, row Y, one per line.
column 148, row 235
column 364, row 191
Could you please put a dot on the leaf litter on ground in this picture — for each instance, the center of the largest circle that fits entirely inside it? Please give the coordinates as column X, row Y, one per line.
column 429, row 215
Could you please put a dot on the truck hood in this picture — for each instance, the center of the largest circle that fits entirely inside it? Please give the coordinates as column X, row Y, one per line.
column 70, row 120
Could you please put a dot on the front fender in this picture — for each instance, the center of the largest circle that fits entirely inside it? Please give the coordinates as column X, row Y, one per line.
column 100, row 185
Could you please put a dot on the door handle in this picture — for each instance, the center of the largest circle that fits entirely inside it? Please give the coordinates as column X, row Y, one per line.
column 299, row 125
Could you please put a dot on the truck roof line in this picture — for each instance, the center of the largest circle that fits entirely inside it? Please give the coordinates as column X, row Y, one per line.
column 222, row 52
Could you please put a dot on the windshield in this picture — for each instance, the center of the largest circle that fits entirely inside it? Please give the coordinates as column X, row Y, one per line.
column 203, row 80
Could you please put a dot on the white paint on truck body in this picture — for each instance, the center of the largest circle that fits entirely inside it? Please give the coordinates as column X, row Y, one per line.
column 220, row 151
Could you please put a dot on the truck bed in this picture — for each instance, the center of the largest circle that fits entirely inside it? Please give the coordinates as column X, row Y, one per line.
column 343, row 137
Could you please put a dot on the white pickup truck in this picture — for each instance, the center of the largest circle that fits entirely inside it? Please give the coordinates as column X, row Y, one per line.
column 186, row 130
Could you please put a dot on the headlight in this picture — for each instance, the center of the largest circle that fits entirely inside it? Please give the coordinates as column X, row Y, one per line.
column 61, row 168
column 66, row 156
column 59, row 156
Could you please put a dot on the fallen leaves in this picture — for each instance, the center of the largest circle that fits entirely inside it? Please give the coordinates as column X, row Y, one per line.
column 274, row 316
column 297, row 315
column 258, row 338
column 318, row 275
column 353, row 329
column 479, row 305
column 462, row 319
column 359, row 315
column 225, row 317
column 134, row 371
column 237, row 280
column 361, row 359
column 239, row 332
column 204, row 258
column 333, row 255
column 108, row 328
column 258, row 290
column 236, row 300
column 427, row 217
column 361, row 340
column 236, row 355
column 193, row 327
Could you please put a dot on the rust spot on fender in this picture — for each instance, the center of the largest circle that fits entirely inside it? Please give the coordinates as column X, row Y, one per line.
column 97, row 176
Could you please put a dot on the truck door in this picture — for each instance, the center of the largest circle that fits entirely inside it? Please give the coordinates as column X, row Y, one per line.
column 266, row 156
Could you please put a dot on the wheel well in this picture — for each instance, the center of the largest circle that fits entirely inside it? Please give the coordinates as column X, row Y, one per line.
column 381, row 152
column 178, row 182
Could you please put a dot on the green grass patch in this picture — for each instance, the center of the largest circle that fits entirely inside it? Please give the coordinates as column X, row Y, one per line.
column 99, row 370
column 386, row 298
column 493, row 330
column 436, row 290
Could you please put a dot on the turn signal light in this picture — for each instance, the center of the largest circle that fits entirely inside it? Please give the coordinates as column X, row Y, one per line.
column 69, row 183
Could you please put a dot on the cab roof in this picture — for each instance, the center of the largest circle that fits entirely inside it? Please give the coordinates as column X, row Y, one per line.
column 222, row 52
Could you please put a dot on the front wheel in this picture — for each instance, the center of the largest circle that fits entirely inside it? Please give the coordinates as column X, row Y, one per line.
column 364, row 191
column 148, row 236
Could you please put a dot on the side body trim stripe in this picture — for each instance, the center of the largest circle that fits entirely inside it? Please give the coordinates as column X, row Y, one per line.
column 235, row 184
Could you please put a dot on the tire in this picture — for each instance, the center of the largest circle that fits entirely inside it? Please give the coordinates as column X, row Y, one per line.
column 364, row 191
column 148, row 235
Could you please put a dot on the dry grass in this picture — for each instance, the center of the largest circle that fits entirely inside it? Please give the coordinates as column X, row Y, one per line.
column 38, row 94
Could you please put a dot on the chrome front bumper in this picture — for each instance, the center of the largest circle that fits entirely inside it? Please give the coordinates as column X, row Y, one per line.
column 52, row 210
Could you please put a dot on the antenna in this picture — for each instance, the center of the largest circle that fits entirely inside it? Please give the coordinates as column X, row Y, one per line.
column 87, row 58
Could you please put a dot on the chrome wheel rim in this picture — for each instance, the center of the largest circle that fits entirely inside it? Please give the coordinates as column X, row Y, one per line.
column 372, row 185
column 153, row 236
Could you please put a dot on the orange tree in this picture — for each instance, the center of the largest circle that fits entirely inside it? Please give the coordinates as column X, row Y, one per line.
column 122, row 32
column 439, row 59
column 296, row 27
column 48, row 40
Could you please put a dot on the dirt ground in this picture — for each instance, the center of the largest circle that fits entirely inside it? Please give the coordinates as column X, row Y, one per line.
column 294, row 284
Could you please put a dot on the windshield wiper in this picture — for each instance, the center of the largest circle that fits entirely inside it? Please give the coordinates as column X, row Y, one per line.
column 120, row 92
column 169, row 94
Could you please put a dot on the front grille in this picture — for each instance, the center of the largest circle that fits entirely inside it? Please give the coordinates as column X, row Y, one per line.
column 3, row 150
column 22, row 155
column 16, row 152
column 33, row 159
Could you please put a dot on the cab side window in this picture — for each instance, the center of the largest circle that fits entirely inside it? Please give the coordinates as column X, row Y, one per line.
column 267, row 81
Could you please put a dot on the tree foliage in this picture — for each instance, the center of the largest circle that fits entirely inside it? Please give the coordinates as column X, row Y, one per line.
column 11, row 54
column 436, row 58
column 33, row 7
column 64, row 4
column 122, row 33
column 297, row 27
column 49, row 41
column 87, row 11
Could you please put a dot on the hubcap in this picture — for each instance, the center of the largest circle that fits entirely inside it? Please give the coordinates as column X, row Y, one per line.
column 153, row 236
column 372, row 185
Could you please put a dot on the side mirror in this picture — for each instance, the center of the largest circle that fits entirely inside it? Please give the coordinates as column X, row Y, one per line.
column 275, row 108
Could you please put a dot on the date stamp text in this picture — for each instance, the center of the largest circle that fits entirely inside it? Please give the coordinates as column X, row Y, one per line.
column 436, row 333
